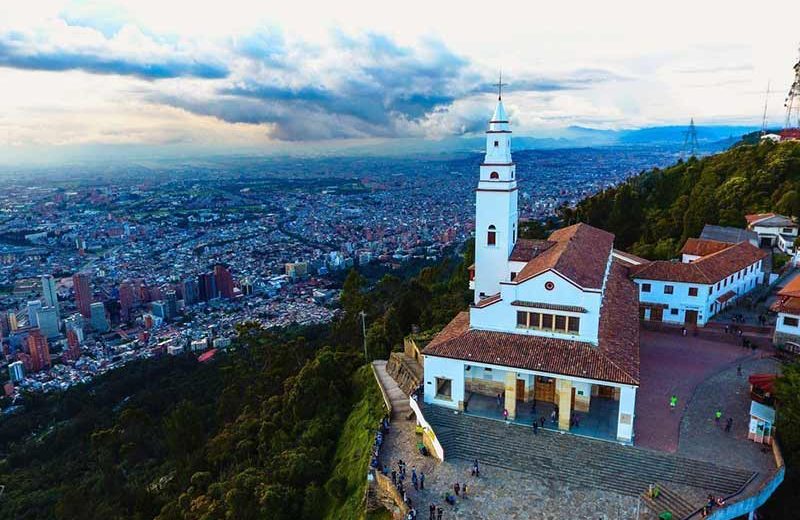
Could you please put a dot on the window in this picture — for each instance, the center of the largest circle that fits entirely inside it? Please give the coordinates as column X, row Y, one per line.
column 574, row 325
column 790, row 322
column 668, row 289
column 444, row 388
column 788, row 230
column 496, row 144
column 718, row 286
column 692, row 291
column 674, row 312
column 645, row 287
column 710, row 289
column 491, row 236
column 494, row 175
column 561, row 322
column 547, row 321
column 513, row 275
column 522, row 319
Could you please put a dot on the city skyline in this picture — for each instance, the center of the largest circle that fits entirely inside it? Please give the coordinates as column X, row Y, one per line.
column 121, row 78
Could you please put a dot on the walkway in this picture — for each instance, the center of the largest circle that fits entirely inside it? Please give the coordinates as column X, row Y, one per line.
column 399, row 400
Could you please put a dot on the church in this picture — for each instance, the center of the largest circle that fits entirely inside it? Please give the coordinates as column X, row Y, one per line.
column 553, row 333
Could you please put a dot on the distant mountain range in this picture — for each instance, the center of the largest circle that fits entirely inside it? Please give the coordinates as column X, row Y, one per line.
column 710, row 138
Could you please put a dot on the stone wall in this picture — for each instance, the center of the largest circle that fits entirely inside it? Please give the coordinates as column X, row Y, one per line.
column 405, row 370
column 381, row 494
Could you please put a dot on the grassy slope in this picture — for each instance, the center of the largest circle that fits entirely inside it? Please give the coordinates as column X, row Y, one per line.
column 353, row 451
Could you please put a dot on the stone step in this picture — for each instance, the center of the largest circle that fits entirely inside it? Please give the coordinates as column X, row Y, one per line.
column 573, row 459
column 669, row 500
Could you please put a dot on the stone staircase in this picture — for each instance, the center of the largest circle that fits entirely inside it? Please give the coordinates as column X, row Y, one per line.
column 578, row 461
column 398, row 399
column 669, row 500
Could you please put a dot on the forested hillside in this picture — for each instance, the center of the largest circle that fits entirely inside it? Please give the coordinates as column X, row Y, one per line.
column 271, row 429
column 653, row 213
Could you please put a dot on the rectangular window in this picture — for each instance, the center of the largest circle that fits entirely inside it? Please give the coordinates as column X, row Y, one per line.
column 496, row 144
column 547, row 321
column 561, row 323
column 491, row 238
column 718, row 286
column 790, row 322
column 522, row 319
column 574, row 325
column 674, row 312
column 645, row 287
column 668, row 289
column 444, row 388
column 788, row 231
column 692, row 291
column 710, row 289
column 513, row 275
column 535, row 320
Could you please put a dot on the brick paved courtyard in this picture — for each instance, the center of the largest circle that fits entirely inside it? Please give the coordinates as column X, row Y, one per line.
column 671, row 363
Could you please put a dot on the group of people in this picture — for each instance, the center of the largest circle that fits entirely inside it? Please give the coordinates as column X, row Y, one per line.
column 382, row 430
column 417, row 481
column 711, row 503
column 728, row 422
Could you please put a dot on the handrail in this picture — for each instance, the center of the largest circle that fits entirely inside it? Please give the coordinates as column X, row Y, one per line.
column 386, row 401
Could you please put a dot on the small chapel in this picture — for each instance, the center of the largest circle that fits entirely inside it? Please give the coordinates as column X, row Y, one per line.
column 553, row 333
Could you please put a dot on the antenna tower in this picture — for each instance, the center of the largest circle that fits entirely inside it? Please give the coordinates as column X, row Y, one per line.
column 690, row 143
column 792, row 103
column 764, row 118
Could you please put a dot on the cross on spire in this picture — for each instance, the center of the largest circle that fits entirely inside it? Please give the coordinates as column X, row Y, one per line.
column 499, row 86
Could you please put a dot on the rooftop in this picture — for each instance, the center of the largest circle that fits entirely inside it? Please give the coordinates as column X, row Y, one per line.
column 731, row 235
column 615, row 358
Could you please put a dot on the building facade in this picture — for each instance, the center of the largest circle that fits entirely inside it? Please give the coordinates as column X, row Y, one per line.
column 553, row 324
column 691, row 292
column 83, row 294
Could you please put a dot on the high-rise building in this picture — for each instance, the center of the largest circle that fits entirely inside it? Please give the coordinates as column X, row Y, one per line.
column 126, row 300
column 190, row 291
column 83, row 294
column 159, row 309
column 224, row 280
column 12, row 321
column 98, row 319
column 171, row 301
column 73, row 345
column 47, row 318
column 16, row 371
column 33, row 310
column 207, row 286
column 49, row 293
column 39, row 351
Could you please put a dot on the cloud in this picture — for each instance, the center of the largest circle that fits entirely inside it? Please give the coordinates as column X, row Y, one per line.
column 59, row 46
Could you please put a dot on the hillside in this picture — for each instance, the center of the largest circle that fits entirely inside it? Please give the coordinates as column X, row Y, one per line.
column 653, row 213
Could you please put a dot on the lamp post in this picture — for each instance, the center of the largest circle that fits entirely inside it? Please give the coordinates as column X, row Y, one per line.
column 364, row 332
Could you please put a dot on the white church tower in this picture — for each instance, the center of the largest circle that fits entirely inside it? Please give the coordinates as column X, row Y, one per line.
column 495, row 206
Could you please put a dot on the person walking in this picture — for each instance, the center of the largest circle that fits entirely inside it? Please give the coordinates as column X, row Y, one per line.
column 535, row 426
column 414, row 480
column 432, row 511
column 394, row 477
column 739, row 369
column 673, row 402
column 421, row 480
column 717, row 415
column 728, row 425
column 464, row 491
column 499, row 400
column 439, row 513
column 505, row 415
column 456, row 488
column 476, row 470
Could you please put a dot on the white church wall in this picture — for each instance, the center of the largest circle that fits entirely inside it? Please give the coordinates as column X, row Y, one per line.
column 627, row 403
column 444, row 368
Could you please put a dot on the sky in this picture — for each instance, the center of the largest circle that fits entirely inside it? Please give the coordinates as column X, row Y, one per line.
column 173, row 77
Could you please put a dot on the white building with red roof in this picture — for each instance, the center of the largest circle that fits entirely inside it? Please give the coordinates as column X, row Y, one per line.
column 787, row 326
column 712, row 275
column 554, row 327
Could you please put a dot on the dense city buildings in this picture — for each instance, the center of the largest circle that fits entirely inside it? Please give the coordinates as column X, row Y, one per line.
column 140, row 264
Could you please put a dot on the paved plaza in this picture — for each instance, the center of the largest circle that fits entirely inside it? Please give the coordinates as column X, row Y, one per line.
column 701, row 371
column 676, row 364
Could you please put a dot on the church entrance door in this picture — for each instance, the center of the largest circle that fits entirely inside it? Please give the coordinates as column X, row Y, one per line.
column 545, row 389
column 520, row 390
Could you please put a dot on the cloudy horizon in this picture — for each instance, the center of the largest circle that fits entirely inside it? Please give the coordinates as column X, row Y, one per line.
column 192, row 78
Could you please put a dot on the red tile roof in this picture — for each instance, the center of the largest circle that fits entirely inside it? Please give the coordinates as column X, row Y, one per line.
column 788, row 298
column 526, row 250
column 706, row 270
column 579, row 252
column 615, row 359
column 755, row 217
column 703, row 247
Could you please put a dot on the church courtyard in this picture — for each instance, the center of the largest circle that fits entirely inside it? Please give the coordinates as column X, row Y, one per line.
column 557, row 475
